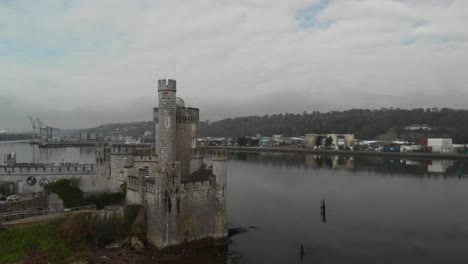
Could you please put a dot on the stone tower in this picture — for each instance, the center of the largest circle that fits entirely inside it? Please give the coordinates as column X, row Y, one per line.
column 166, row 122
column 183, row 200
column 220, row 171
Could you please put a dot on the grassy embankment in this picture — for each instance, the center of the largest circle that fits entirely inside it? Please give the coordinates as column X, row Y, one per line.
column 65, row 241
column 35, row 241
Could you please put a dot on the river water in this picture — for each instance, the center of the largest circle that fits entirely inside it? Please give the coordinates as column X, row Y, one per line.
column 378, row 210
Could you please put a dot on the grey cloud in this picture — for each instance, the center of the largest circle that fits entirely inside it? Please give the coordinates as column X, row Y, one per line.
column 230, row 58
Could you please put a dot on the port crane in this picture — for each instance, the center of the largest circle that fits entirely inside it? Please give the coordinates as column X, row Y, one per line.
column 41, row 132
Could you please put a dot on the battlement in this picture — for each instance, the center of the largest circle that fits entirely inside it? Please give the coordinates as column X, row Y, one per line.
column 150, row 151
column 151, row 158
column 150, row 185
column 133, row 183
column 187, row 115
column 173, row 169
column 219, row 155
column 10, row 159
column 198, row 186
column 48, row 168
column 164, row 84
column 197, row 153
column 122, row 150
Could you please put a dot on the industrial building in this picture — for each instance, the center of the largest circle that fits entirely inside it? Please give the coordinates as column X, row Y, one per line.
column 312, row 140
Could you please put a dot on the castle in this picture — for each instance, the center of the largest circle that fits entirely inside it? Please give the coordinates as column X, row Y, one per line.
column 183, row 201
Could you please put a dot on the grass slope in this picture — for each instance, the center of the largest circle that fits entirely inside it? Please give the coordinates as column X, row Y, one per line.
column 20, row 242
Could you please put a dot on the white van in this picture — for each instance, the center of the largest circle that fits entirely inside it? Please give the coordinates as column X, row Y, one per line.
column 13, row 198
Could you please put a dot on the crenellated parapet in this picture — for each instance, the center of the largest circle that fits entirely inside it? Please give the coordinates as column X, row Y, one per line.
column 199, row 186
column 219, row 155
column 133, row 182
column 102, row 153
column 122, row 149
column 187, row 115
column 145, row 158
column 197, row 153
column 164, row 84
column 149, row 151
column 48, row 168
column 150, row 185
column 184, row 115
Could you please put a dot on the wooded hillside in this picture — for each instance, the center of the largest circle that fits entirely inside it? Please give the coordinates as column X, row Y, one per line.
column 364, row 123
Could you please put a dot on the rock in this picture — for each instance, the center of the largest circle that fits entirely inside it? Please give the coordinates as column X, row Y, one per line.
column 81, row 262
column 234, row 231
column 105, row 257
column 114, row 245
column 136, row 244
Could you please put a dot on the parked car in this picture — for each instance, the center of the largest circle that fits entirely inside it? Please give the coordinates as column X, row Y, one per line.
column 13, row 198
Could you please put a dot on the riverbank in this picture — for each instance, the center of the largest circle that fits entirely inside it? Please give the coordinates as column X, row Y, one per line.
column 342, row 152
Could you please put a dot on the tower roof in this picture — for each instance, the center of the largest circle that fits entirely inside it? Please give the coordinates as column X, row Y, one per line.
column 180, row 102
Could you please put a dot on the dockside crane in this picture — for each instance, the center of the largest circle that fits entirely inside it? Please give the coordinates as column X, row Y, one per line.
column 34, row 128
column 41, row 131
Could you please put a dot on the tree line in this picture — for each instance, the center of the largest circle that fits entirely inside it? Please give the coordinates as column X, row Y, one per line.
column 385, row 123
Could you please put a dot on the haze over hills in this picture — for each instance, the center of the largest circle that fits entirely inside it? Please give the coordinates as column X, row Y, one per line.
column 364, row 123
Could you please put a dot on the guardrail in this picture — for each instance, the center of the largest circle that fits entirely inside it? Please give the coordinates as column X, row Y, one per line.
column 6, row 217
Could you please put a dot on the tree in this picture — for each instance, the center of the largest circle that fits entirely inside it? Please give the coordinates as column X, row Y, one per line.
column 328, row 142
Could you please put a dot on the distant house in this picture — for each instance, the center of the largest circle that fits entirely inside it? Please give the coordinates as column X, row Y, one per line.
column 418, row 127
column 441, row 145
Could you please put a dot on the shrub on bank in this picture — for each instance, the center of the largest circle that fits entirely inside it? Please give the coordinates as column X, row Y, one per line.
column 73, row 196
column 91, row 230
column 68, row 191
column 130, row 213
column 105, row 199
column 16, row 243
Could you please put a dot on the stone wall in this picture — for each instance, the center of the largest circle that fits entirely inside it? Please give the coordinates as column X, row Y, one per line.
column 31, row 179
column 184, row 148
column 119, row 163
column 196, row 219
column 23, row 205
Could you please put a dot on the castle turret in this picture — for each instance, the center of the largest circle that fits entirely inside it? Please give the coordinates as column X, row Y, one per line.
column 187, row 120
column 196, row 162
column 220, row 171
column 10, row 159
column 166, row 122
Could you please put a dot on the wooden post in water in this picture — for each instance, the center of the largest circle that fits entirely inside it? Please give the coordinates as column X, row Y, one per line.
column 302, row 252
column 323, row 211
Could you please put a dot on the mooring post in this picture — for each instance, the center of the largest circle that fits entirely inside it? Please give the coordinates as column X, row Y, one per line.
column 323, row 211
column 302, row 252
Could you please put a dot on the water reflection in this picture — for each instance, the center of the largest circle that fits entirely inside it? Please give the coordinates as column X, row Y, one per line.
column 378, row 210
column 424, row 167
column 32, row 153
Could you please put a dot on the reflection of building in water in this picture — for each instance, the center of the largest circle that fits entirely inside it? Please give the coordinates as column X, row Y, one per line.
column 350, row 163
column 333, row 162
column 411, row 162
column 439, row 166
column 310, row 161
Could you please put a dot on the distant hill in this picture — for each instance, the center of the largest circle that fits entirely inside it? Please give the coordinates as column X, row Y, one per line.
column 15, row 136
column 364, row 123
column 135, row 129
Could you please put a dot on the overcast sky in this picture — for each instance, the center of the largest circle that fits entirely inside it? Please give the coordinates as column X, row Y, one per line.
column 81, row 63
